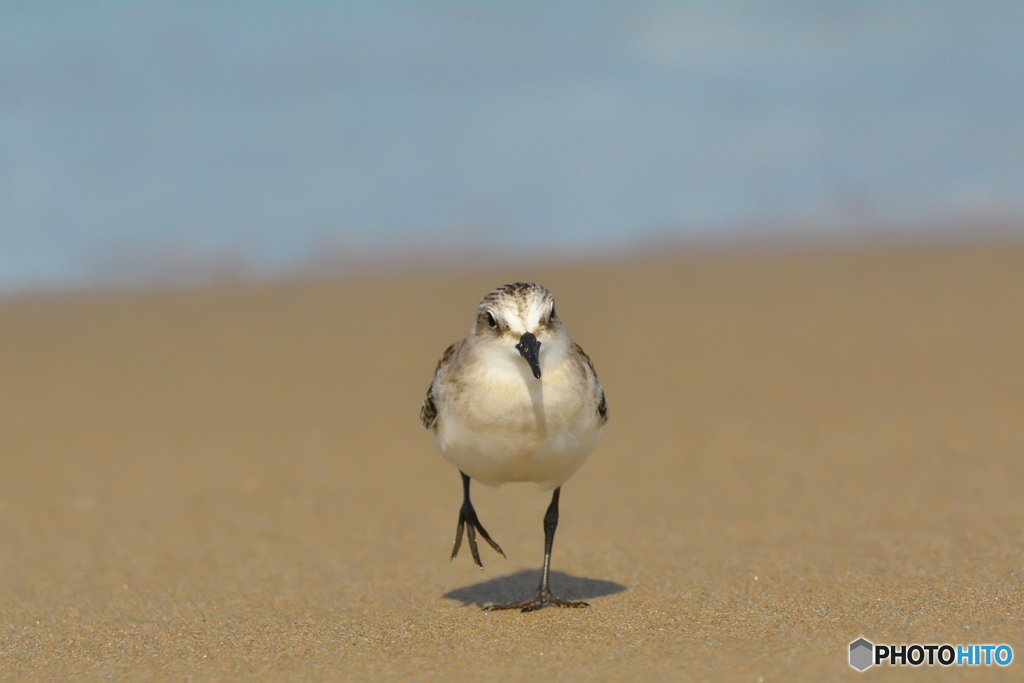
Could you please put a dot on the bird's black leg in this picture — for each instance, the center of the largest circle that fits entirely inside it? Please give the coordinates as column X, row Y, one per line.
column 467, row 519
column 543, row 595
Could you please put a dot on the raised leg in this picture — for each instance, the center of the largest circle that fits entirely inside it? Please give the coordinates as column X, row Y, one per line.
column 467, row 519
column 543, row 595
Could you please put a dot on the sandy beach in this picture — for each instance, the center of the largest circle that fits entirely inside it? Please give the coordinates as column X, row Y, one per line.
column 804, row 448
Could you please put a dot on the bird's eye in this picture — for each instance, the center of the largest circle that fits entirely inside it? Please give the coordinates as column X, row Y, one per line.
column 491, row 321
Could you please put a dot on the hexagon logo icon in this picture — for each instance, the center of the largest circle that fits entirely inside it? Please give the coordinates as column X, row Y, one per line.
column 861, row 654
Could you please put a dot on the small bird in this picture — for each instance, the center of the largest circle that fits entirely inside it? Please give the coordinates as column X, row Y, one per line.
column 515, row 401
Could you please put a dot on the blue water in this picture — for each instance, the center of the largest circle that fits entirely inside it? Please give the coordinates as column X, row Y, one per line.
column 146, row 138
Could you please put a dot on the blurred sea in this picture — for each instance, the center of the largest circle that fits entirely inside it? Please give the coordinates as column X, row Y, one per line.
column 151, row 140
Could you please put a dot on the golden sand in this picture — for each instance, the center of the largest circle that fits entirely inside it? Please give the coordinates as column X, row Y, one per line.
column 803, row 449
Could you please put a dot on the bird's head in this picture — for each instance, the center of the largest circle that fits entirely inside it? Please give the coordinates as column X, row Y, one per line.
column 519, row 321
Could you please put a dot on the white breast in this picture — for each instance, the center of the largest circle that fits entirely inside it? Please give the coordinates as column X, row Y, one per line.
column 505, row 426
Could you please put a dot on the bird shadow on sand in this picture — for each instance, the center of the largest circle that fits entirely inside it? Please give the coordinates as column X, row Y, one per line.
column 522, row 584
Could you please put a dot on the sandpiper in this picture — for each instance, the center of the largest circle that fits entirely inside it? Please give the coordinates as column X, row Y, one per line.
column 515, row 401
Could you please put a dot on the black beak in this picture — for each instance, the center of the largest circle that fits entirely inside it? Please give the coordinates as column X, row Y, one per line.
column 529, row 348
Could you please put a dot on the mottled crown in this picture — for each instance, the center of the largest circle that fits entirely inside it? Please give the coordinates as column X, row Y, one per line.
column 518, row 307
column 517, row 293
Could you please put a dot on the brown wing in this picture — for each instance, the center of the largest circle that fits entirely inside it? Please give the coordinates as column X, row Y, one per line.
column 602, row 405
column 428, row 411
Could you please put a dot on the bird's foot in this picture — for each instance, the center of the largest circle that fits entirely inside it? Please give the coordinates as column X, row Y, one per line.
column 469, row 521
column 542, row 597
